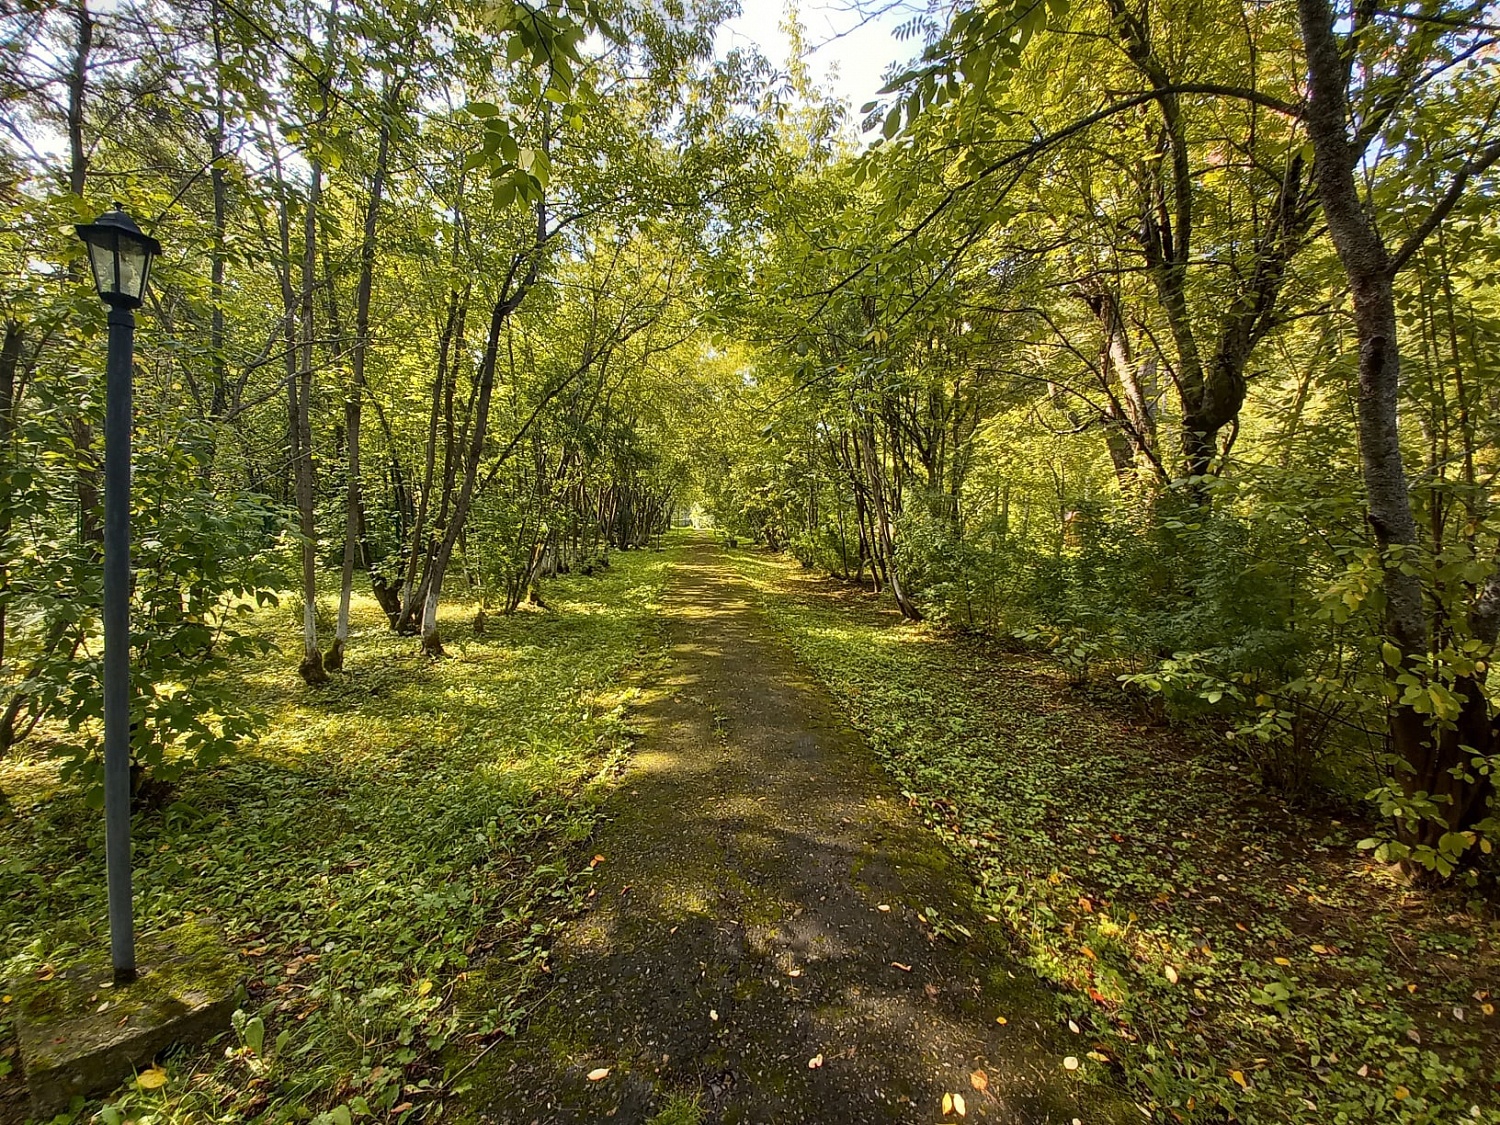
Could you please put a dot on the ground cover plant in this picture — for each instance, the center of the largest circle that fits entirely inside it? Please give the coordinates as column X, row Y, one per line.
column 389, row 857
column 1228, row 953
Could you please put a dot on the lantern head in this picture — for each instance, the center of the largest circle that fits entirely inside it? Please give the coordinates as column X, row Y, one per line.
column 120, row 256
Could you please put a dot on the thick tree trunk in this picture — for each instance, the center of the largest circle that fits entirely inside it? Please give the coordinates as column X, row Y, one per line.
column 1436, row 762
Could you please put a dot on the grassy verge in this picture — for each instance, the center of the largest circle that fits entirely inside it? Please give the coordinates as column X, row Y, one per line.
column 389, row 858
column 1237, row 958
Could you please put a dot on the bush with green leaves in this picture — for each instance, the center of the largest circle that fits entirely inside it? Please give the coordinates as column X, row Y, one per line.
column 202, row 561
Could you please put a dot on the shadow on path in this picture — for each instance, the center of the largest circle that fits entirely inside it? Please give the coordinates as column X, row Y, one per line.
column 759, row 907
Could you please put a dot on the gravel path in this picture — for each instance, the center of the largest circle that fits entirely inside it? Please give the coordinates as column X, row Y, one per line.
column 757, row 941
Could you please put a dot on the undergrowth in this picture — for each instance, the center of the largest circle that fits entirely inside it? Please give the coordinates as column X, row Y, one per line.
column 389, row 858
column 1234, row 956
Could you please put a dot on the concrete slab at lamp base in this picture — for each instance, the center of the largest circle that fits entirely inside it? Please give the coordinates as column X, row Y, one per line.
column 81, row 1035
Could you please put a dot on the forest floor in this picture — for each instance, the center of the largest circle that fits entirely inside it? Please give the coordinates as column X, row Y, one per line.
column 712, row 839
column 773, row 936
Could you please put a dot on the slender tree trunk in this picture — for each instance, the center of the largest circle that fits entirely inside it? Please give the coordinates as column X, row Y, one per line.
column 87, row 484
column 353, row 518
column 511, row 296
column 312, row 660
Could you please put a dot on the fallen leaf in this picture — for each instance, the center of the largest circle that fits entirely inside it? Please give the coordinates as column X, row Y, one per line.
column 424, row 988
column 1086, row 905
column 713, row 1015
column 899, row 965
column 599, row 1074
column 1239, row 1078
column 1401, row 1092
column 883, row 908
column 1073, row 1026
column 815, row 1062
column 1170, row 973
column 596, row 861
column 1001, row 1020
column 1282, row 961
column 1070, row 1063
column 153, row 1079
column 794, row 972
column 1321, row 949
column 947, row 1104
column 958, row 1105
column 1487, row 1009
column 1364, row 1071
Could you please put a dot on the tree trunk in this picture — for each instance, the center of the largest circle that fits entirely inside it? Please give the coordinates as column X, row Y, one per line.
column 354, row 514
column 312, row 660
column 1437, row 764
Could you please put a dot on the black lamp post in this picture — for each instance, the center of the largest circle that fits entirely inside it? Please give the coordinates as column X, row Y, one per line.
column 121, row 259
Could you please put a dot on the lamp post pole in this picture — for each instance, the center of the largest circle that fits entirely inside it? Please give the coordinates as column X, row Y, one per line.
column 120, row 257
column 117, row 410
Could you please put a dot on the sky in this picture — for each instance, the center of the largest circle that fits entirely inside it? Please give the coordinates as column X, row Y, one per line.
column 850, row 42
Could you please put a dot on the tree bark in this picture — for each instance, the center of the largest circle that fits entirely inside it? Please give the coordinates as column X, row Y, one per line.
column 354, row 513
column 1436, row 763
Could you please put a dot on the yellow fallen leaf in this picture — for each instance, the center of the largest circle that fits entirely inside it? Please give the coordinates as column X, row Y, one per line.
column 1070, row 1063
column 815, row 1062
column 1239, row 1078
column 1321, row 949
column 1170, row 973
column 980, row 1081
column 1402, row 1092
column 958, row 1105
column 1001, row 1020
column 599, row 1074
column 1282, row 961
column 1487, row 1009
column 153, row 1079
column 947, row 1104
column 424, row 988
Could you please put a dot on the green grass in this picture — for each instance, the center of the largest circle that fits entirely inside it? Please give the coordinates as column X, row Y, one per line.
column 1235, row 957
column 390, row 858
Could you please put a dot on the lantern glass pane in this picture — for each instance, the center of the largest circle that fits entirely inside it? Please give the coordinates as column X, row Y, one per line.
column 102, row 261
column 134, row 261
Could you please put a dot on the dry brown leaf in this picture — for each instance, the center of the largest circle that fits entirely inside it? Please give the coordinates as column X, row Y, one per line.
column 980, row 1081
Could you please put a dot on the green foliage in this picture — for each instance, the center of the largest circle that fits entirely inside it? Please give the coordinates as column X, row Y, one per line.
column 390, row 857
